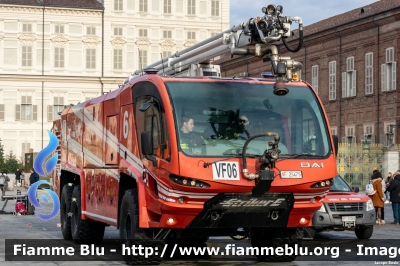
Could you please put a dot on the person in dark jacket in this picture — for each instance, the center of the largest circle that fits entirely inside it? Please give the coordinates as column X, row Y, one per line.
column 34, row 177
column 17, row 177
column 394, row 189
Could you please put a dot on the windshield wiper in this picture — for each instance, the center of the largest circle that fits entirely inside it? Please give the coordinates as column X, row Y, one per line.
column 297, row 155
column 250, row 155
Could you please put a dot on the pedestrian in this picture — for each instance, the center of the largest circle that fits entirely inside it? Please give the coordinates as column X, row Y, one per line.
column 34, row 177
column 378, row 198
column 4, row 179
column 387, row 181
column 394, row 189
column 23, row 177
column 17, row 177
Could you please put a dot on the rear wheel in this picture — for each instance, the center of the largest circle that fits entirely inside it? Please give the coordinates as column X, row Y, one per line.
column 275, row 237
column 363, row 232
column 65, row 210
column 131, row 234
column 84, row 231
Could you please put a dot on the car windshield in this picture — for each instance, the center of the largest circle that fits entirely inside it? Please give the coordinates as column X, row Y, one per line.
column 216, row 118
column 339, row 185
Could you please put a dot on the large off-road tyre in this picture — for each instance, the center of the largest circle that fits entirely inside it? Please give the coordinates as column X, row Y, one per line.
column 130, row 233
column 83, row 231
column 65, row 210
column 274, row 237
column 364, row 232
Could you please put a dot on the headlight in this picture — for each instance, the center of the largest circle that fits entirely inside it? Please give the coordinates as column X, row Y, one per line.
column 322, row 209
column 370, row 205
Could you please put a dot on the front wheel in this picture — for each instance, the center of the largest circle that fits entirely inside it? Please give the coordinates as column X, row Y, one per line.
column 363, row 232
column 130, row 233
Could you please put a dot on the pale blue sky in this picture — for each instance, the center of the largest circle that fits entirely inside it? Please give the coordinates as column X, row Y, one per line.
column 310, row 11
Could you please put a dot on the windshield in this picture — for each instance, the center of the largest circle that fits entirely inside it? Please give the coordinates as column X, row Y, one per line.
column 216, row 118
column 339, row 185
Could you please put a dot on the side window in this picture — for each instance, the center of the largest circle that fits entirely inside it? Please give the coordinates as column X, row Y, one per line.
column 153, row 120
column 309, row 134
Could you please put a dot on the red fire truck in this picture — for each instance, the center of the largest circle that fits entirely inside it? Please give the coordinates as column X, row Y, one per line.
column 178, row 153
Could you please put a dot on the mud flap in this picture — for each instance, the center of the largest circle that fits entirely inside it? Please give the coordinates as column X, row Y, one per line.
column 233, row 210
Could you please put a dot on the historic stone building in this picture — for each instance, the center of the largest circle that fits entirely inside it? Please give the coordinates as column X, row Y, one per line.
column 351, row 61
column 59, row 52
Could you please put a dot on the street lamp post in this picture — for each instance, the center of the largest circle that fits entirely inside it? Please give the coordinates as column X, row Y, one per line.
column 366, row 141
column 391, row 154
column 389, row 135
column 349, row 166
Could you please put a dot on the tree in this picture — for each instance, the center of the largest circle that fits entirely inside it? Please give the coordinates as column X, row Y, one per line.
column 11, row 163
column 2, row 159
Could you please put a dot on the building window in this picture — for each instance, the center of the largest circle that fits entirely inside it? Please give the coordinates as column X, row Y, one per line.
column 117, row 58
column 59, row 29
column 389, row 71
column 166, row 54
column 350, row 137
column 118, row 5
column 91, row 31
column 26, row 111
column 117, row 31
column 142, row 32
column 26, row 56
column 26, row 27
column 334, row 131
column 215, row 8
column 349, row 79
column 91, row 58
column 58, row 57
column 369, row 67
column 25, row 147
column 167, row 6
column 2, row 112
column 142, row 59
column 332, row 80
column 368, row 134
column 143, row 5
column 191, row 35
column 167, row 34
column 191, row 7
column 53, row 110
column 314, row 81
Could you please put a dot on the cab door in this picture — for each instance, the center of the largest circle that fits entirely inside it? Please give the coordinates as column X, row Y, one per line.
column 149, row 116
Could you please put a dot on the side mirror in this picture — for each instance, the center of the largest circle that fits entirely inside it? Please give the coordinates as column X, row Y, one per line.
column 335, row 144
column 356, row 189
column 147, row 146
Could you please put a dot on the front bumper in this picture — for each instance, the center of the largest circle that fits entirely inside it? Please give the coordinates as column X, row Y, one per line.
column 235, row 210
column 332, row 220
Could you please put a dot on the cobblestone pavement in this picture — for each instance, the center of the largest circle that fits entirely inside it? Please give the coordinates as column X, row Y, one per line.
column 31, row 227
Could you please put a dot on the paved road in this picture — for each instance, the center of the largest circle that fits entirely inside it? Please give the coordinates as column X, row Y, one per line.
column 31, row 227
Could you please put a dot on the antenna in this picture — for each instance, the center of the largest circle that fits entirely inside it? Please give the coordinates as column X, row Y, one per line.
column 162, row 63
column 140, row 61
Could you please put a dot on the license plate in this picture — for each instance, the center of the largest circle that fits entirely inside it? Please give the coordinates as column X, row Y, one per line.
column 348, row 219
column 291, row 174
column 226, row 171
